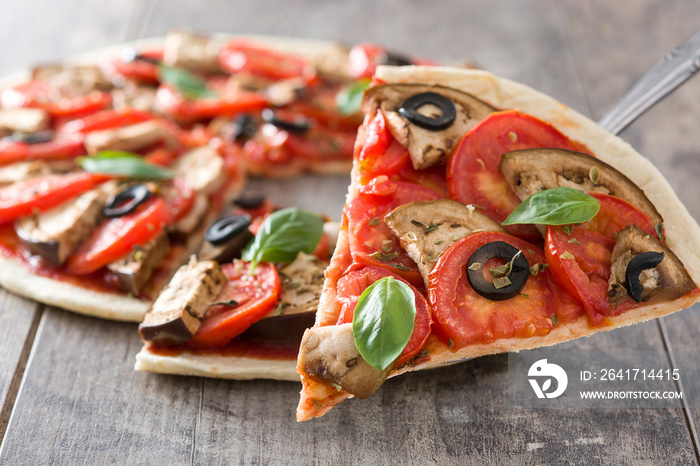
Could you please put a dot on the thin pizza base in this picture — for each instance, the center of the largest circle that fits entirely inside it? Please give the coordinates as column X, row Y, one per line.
column 18, row 279
column 219, row 367
column 682, row 231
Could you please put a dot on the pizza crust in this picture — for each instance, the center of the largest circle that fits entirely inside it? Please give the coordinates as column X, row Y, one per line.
column 682, row 231
column 220, row 367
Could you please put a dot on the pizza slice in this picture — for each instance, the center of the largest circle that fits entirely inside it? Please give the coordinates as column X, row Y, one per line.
column 238, row 309
column 485, row 217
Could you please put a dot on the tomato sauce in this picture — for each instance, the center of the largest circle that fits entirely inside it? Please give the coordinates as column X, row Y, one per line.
column 238, row 347
column 11, row 248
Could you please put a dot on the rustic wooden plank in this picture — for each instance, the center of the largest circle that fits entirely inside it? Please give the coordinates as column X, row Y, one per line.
column 82, row 402
column 18, row 322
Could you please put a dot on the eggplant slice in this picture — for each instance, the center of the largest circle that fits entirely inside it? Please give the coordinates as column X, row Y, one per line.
column 529, row 171
column 666, row 281
column 427, row 229
column 427, row 147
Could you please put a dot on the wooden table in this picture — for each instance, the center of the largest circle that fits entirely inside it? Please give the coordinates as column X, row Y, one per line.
column 69, row 394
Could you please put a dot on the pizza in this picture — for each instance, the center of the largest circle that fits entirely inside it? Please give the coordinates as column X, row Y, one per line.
column 485, row 217
column 113, row 166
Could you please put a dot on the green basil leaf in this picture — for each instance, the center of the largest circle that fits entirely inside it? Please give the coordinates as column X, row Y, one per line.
column 349, row 99
column 557, row 206
column 125, row 164
column 185, row 82
column 283, row 235
column 383, row 321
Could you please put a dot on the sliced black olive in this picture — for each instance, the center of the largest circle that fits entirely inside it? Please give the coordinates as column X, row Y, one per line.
column 33, row 138
column 126, row 201
column 518, row 273
column 640, row 262
column 249, row 202
column 227, row 228
column 396, row 59
column 244, row 127
column 300, row 125
column 409, row 110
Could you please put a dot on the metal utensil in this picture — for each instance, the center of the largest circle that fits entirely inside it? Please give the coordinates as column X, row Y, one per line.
column 670, row 72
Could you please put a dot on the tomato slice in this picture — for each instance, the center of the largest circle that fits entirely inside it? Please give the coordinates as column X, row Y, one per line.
column 473, row 176
column 64, row 145
column 69, row 108
column 245, row 57
column 229, row 104
column 465, row 317
column 320, row 143
column 108, row 119
column 580, row 257
column 350, row 288
column 43, row 193
column 371, row 241
column 179, row 197
column 255, row 294
column 145, row 71
column 116, row 237
column 380, row 153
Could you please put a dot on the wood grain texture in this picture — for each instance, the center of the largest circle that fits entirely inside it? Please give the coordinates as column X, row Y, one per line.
column 18, row 322
column 81, row 402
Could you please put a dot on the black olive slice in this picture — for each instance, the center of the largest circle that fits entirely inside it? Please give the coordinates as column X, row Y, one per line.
column 126, row 201
column 227, row 228
column 249, row 202
column 396, row 59
column 33, row 138
column 409, row 110
column 300, row 125
column 518, row 273
column 244, row 127
column 640, row 262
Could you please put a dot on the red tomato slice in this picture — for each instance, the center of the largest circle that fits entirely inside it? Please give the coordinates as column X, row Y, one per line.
column 319, row 143
column 472, row 173
column 581, row 260
column 244, row 57
column 615, row 214
column 371, row 241
column 350, row 288
column 255, row 294
column 380, row 154
column 108, row 119
column 182, row 109
column 140, row 70
column 43, row 193
column 465, row 317
column 116, row 237
column 179, row 197
column 63, row 146
column 69, row 108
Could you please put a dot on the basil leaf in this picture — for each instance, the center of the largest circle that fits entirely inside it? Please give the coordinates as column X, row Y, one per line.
column 283, row 235
column 185, row 82
column 557, row 206
column 349, row 99
column 383, row 321
column 125, row 164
